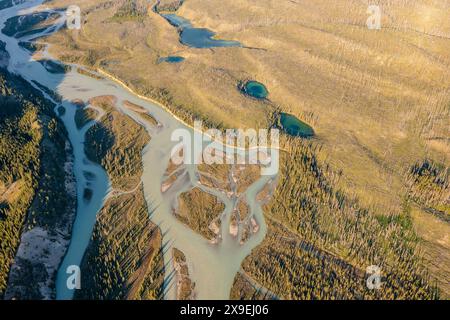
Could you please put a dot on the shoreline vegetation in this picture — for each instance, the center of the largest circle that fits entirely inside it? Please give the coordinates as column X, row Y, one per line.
column 167, row 6
column 173, row 111
column 124, row 258
column 305, row 97
column 319, row 211
column 37, row 198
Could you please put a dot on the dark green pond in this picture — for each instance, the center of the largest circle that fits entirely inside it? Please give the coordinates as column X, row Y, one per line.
column 295, row 127
column 256, row 90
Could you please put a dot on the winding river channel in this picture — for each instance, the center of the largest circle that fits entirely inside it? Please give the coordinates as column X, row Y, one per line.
column 211, row 266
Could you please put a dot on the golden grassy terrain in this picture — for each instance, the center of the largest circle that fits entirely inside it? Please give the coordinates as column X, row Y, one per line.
column 124, row 258
column 35, row 193
column 321, row 240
